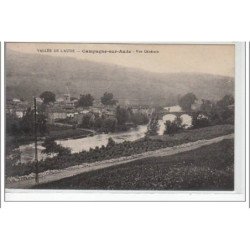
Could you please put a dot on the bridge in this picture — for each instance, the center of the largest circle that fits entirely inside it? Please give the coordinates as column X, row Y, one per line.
column 177, row 113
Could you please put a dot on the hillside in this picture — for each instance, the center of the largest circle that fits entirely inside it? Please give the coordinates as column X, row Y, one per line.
column 28, row 75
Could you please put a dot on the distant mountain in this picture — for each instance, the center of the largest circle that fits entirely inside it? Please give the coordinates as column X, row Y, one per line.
column 28, row 75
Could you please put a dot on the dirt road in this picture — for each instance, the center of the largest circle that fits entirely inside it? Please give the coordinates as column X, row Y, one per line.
column 54, row 175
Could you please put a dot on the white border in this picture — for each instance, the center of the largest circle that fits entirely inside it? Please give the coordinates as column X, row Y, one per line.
column 237, row 195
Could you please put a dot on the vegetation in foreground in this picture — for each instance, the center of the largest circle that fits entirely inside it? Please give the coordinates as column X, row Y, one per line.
column 113, row 150
column 207, row 168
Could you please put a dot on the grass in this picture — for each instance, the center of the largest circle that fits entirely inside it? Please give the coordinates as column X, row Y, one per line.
column 207, row 168
column 119, row 150
column 196, row 134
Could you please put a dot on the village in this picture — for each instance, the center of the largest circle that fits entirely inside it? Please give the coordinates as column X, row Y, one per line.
column 67, row 111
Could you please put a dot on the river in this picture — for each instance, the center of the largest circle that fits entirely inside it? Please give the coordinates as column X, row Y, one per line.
column 27, row 152
column 80, row 144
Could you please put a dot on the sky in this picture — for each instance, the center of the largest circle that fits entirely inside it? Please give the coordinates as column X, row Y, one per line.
column 216, row 59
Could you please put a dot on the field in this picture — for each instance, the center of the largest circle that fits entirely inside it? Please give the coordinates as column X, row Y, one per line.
column 196, row 134
column 207, row 168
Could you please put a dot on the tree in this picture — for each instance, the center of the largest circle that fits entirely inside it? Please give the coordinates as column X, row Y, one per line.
column 48, row 97
column 98, row 123
column 12, row 125
column 52, row 147
column 111, row 142
column 186, row 101
column 107, row 99
column 109, row 124
column 226, row 101
column 27, row 122
column 139, row 118
column 215, row 113
column 86, row 100
column 122, row 115
column 200, row 120
column 42, row 124
column 86, row 120
column 206, row 106
column 172, row 127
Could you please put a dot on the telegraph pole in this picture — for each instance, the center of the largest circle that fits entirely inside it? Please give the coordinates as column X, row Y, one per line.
column 35, row 132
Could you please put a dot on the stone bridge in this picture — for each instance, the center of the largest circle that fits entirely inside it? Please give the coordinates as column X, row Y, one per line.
column 178, row 113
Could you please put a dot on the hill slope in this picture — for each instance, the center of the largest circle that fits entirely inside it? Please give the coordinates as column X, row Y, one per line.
column 29, row 75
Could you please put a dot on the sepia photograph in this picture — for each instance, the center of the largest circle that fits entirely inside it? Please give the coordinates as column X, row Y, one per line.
column 124, row 125
column 134, row 117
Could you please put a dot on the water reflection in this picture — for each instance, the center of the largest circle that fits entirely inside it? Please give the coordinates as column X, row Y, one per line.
column 186, row 119
column 27, row 152
column 161, row 123
column 78, row 145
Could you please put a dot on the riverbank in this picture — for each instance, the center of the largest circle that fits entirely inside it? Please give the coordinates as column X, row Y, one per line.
column 59, row 134
column 55, row 175
column 120, row 150
column 196, row 134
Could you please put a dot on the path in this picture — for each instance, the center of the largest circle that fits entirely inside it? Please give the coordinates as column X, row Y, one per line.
column 54, row 175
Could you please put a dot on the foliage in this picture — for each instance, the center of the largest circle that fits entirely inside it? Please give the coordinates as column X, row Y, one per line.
column 186, row 101
column 52, row 147
column 12, row 124
column 98, row 124
column 111, row 142
column 139, row 118
column 48, row 97
column 214, row 113
column 120, row 149
column 109, row 125
column 200, row 120
column 192, row 170
column 108, row 99
column 86, row 100
column 25, row 125
column 86, row 120
column 172, row 127
column 226, row 101
column 153, row 124
column 122, row 115
column 42, row 124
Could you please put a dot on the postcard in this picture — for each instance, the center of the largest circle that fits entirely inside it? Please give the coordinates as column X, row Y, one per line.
column 124, row 121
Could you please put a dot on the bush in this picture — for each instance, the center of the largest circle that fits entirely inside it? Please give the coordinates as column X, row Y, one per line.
column 111, row 142
column 173, row 127
column 199, row 120
column 52, row 147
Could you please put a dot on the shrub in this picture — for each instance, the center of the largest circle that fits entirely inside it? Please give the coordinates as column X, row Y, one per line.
column 111, row 142
column 200, row 120
column 173, row 127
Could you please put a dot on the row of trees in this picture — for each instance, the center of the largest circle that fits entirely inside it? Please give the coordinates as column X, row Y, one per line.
column 209, row 114
column 84, row 100
column 25, row 125
column 120, row 121
column 214, row 113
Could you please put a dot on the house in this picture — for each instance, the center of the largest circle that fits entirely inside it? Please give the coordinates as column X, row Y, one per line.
column 68, row 102
column 55, row 113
